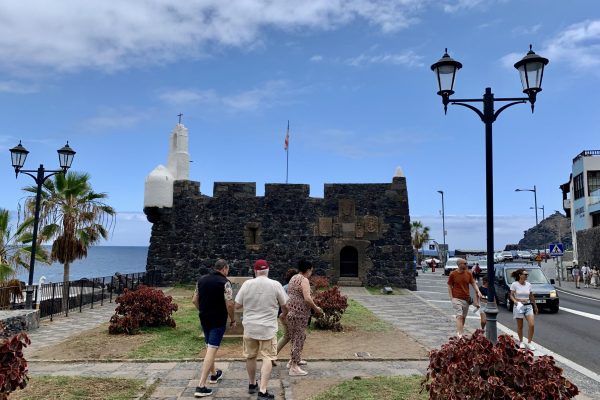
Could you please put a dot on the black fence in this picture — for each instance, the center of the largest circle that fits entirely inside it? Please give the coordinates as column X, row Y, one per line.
column 60, row 298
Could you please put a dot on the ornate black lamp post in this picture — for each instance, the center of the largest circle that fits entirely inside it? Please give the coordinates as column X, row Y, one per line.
column 18, row 155
column 534, row 190
column 445, row 253
column 531, row 70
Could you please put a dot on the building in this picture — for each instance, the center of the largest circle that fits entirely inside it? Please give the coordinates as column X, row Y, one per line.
column 356, row 234
column 581, row 202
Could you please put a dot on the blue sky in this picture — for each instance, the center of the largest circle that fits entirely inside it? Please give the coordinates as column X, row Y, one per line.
column 351, row 76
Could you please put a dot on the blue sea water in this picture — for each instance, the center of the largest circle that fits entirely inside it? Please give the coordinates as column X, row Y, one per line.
column 101, row 261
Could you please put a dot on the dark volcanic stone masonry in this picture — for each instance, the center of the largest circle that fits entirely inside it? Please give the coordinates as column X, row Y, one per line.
column 359, row 233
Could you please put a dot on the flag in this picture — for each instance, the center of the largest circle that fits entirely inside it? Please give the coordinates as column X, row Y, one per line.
column 287, row 137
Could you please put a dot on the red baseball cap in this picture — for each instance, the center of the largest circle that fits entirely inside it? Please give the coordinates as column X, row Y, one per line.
column 261, row 265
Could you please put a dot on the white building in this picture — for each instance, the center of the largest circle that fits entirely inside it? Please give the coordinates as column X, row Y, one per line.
column 581, row 195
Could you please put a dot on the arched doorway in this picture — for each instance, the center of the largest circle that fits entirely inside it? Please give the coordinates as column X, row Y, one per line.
column 349, row 262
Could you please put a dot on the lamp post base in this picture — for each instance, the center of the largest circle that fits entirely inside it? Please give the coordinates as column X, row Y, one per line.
column 29, row 298
column 491, row 327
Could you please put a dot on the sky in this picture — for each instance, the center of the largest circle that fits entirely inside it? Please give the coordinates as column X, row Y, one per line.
column 352, row 77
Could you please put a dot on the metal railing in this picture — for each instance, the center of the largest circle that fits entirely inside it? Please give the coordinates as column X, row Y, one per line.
column 587, row 153
column 60, row 298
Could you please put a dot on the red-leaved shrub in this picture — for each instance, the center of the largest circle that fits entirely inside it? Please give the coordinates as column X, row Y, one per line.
column 13, row 366
column 474, row 368
column 319, row 282
column 333, row 304
column 140, row 308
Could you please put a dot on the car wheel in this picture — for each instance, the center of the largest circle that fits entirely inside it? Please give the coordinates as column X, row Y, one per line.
column 508, row 303
column 553, row 309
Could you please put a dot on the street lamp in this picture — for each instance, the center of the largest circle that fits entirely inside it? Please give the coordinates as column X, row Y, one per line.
column 531, row 70
column 540, row 208
column 534, row 190
column 443, row 226
column 18, row 155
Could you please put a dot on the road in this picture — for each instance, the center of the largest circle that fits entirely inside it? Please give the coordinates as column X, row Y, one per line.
column 573, row 332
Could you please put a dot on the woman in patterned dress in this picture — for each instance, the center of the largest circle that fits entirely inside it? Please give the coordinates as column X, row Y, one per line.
column 299, row 305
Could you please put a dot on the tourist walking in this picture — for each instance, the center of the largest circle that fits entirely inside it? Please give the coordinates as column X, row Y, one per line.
column 299, row 305
column 458, row 291
column 285, row 339
column 595, row 281
column 586, row 274
column 260, row 299
column 214, row 300
column 524, row 306
column 576, row 275
column 483, row 289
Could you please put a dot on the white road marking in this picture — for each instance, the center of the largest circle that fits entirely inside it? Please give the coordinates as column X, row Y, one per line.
column 583, row 314
column 577, row 295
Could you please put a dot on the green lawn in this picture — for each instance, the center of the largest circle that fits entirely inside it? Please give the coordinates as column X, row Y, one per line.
column 79, row 388
column 362, row 319
column 182, row 342
column 379, row 388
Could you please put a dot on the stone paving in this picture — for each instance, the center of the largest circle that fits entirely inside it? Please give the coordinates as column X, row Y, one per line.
column 407, row 311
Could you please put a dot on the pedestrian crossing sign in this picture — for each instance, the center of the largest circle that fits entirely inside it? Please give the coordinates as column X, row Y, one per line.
column 556, row 249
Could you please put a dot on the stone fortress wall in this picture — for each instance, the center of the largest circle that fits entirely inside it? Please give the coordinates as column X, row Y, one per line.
column 357, row 234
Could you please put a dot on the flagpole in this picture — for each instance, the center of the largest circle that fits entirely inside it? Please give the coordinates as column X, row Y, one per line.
column 287, row 151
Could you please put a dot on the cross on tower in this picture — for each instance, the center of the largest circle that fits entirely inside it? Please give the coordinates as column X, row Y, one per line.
column 180, row 115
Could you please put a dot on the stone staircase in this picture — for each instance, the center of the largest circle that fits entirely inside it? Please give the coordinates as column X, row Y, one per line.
column 349, row 281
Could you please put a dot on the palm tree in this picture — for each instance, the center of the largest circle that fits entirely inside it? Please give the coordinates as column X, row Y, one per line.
column 420, row 235
column 15, row 248
column 73, row 217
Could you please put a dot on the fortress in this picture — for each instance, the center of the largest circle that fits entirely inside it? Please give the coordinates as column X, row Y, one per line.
column 358, row 234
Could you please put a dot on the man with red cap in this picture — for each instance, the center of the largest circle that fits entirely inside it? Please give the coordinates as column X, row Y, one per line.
column 260, row 298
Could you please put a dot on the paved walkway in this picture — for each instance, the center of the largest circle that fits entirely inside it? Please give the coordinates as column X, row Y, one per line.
column 177, row 380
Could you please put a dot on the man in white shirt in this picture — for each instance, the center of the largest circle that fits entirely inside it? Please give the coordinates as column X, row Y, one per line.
column 260, row 298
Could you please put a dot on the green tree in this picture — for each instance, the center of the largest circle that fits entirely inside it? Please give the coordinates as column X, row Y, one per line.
column 15, row 248
column 72, row 216
column 420, row 235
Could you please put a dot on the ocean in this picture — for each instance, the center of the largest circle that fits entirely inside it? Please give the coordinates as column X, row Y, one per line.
column 101, row 261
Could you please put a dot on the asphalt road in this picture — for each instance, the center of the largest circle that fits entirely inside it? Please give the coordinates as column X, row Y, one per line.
column 575, row 337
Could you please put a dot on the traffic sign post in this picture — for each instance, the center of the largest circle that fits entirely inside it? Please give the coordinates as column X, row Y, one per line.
column 557, row 249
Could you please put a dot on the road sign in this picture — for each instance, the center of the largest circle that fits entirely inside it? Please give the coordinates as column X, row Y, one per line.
column 556, row 249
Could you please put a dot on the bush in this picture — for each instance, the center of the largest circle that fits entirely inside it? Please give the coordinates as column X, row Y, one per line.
column 319, row 282
column 333, row 304
column 474, row 368
column 143, row 307
column 13, row 366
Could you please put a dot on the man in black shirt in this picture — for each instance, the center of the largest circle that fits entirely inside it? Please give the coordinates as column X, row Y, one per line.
column 214, row 300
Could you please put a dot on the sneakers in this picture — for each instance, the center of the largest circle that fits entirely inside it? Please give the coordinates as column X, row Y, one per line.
column 531, row 346
column 217, row 377
column 522, row 345
column 265, row 395
column 289, row 364
column 297, row 372
column 252, row 389
column 202, row 391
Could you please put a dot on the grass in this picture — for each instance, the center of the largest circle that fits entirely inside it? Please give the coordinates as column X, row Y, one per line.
column 362, row 319
column 380, row 388
column 182, row 342
column 79, row 388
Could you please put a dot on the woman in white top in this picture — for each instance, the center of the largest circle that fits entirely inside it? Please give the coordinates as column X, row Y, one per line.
column 524, row 306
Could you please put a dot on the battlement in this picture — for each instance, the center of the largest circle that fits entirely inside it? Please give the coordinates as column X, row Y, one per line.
column 235, row 189
column 283, row 190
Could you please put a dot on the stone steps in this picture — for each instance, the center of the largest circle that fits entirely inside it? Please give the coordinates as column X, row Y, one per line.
column 353, row 282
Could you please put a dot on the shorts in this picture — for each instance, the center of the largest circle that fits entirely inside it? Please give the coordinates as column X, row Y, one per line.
column 213, row 336
column 460, row 307
column 525, row 311
column 267, row 349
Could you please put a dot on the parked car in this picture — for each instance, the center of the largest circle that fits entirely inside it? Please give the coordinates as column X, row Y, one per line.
column 543, row 290
column 451, row 265
column 506, row 256
column 524, row 254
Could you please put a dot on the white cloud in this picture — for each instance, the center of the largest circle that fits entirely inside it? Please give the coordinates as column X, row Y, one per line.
column 262, row 96
column 316, row 58
column 469, row 231
column 577, row 46
column 112, row 118
column 17, row 87
column 408, row 58
column 459, row 5
column 108, row 35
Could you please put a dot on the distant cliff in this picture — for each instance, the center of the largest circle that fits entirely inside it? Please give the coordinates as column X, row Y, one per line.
column 547, row 232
